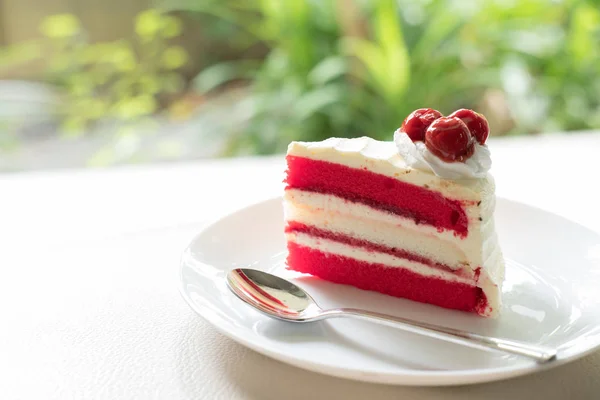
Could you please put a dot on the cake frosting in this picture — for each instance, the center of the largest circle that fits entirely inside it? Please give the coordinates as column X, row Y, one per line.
column 418, row 156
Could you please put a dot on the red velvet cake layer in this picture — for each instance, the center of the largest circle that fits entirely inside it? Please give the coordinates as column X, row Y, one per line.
column 397, row 282
column 377, row 191
column 297, row 227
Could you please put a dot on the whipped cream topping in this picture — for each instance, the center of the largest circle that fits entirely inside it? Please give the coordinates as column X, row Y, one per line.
column 418, row 156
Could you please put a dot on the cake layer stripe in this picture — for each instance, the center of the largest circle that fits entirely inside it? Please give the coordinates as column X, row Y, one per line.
column 357, row 220
column 377, row 191
column 375, row 257
column 397, row 282
column 296, row 227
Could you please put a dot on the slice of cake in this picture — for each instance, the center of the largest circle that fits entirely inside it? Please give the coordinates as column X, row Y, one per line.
column 411, row 218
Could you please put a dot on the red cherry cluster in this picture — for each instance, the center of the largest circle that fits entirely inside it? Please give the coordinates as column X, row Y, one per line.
column 451, row 138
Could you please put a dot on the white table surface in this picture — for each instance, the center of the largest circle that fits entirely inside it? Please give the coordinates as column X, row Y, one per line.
column 89, row 307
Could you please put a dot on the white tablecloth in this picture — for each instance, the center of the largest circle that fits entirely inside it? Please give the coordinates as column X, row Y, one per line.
column 89, row 307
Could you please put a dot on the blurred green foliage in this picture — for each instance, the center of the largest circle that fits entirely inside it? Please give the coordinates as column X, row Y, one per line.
column 349, row 68
column 19, row 54
column 117, row 80
column 341, row 68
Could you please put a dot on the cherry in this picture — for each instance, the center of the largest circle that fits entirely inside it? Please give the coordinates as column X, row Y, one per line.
column 418, row 121
column 476, row 123
column 449, row 138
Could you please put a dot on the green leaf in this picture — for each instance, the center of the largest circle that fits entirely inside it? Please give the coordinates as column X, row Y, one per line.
column 174, row 57
column 79, row 85
column 219, row 74
column 316, row 101
column 389, row 36
column 122, row 57
column 171, row 27
column 583, row 37
column 60, row 26
column 327, row 70
column 148, row 23
column 135, row 107
column 438, row 30
column 386, row 58
column 370, row 55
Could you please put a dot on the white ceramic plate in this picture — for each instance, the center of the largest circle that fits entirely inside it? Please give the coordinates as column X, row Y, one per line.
column 551, row 297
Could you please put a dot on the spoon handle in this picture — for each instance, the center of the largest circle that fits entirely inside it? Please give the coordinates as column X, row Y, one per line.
column 538, row 353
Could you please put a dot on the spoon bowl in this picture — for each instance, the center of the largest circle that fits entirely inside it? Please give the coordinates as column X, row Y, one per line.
column 272, row 295
column 281, row 299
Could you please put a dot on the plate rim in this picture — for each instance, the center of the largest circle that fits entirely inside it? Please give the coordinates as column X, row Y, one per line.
column 406, row 378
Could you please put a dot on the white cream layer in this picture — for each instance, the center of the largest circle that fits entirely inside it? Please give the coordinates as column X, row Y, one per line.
column 331, row 247
column 469, row 249
column 381, row 232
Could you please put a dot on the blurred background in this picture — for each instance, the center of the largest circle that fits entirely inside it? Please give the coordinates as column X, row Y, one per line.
column 85, row 83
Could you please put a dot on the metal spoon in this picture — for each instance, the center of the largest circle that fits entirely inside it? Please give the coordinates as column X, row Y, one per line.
column 281, row 299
